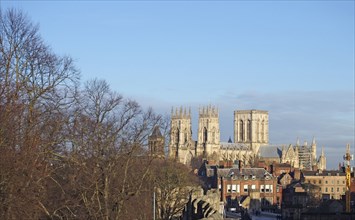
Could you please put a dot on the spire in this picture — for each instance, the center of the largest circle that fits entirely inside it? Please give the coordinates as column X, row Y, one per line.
column 322, row 154
column 230, row 140
column 156, row 132
column 298, row 142
column 314, row 141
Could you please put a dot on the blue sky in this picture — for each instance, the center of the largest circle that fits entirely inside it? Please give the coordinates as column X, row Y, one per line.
column 292, row 58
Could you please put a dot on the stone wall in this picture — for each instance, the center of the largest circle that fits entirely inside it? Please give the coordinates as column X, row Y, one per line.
column 203, row 206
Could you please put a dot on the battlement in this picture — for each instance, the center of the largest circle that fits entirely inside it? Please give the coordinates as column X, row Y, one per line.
column 181, row 113
column 208, row 112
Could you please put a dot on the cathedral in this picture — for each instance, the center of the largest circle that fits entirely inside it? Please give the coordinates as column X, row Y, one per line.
column 251, row 140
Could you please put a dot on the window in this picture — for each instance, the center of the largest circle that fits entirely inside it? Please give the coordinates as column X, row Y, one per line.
column 241, row 130
column 219, row 187
column 228, row 188
column 337, row 189
column 267, row 188
column 261, row 188
column 343, row 182
column 338, row 182
column 253, row 187
column 249, row 130
column 332, row 189
column 343, row 189
column 245, row 188
column 234, row 188
column 326, row 189
column 320, row 181
column 326, row 182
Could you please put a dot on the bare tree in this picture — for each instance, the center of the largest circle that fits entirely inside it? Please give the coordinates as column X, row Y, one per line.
column 35, row 86
column 72, row 153
column 109, row 136
column 173, row 183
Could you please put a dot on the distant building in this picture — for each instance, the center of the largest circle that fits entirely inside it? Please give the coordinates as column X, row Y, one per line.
column 332, row 183
column 298, row 156
column 251, row 140
column 255, row 187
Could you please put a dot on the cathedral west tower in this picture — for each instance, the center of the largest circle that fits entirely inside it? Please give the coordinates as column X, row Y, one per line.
column 181, row 146
column 208, row 136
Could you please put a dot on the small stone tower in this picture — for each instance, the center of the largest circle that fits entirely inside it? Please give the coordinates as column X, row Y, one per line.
column 181, row 146
column 208, row 133
column 251, row 127
column 156, row 143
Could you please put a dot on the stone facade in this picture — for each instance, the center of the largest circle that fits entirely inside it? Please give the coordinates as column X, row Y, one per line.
column 181, row 145
column 251, row 127
column 332, row 183
column 208, row 136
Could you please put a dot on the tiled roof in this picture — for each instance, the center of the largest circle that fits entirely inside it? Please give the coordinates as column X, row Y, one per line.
column 236, row 146
column 270, row 151
column 258, row 173
column 156, row 132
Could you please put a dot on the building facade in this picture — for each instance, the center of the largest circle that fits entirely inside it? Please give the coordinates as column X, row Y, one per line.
column 332, row 183
column 257, row 184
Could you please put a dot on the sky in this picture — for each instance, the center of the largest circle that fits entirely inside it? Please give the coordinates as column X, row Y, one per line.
column 294, row 59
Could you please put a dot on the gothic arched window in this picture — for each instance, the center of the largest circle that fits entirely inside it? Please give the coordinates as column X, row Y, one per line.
column 258, row 131
column 213, row 136
column 241, row 130
column 263, row 130
column 204, row 135
column 177, row 136
column 249, row 130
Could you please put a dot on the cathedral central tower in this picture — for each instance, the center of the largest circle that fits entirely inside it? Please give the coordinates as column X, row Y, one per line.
column 251, row 127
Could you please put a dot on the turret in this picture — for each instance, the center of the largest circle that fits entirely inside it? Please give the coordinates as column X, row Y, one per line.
column 314, row 151
column 322, row 161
